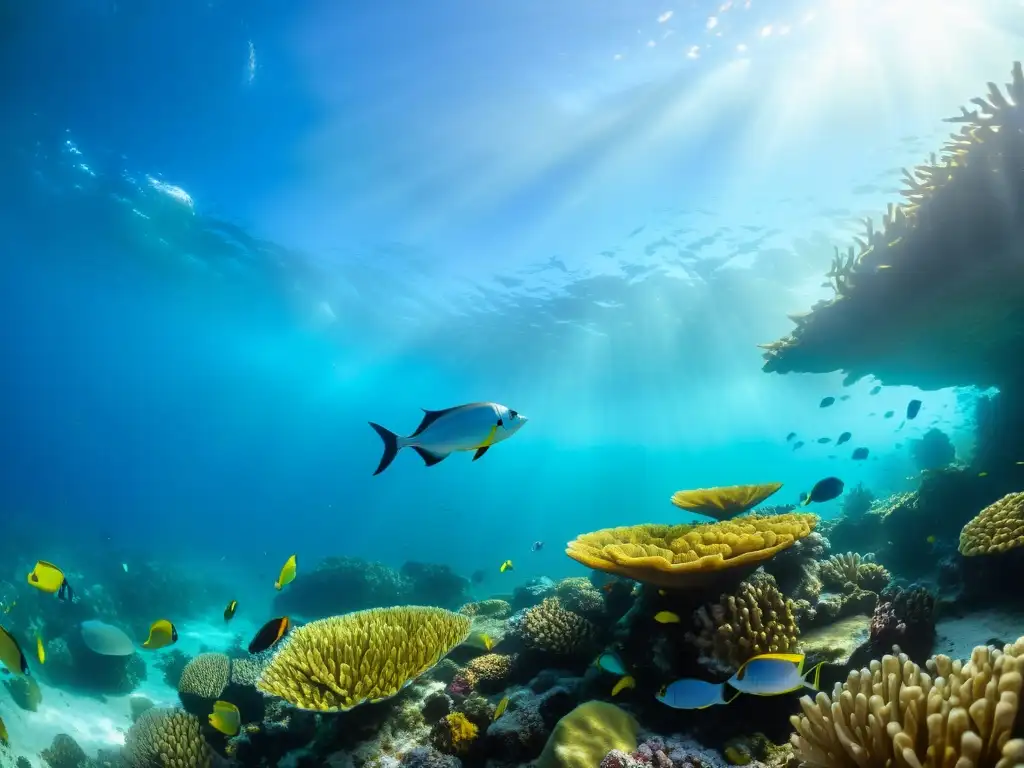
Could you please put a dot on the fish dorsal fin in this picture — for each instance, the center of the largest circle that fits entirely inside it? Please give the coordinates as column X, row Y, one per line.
column 429, row 417
column 793, row 658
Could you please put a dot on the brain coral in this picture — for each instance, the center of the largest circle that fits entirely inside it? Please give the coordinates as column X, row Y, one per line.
column 680, row 556
column 997, row 528
column 550, row 628
column 896, row 714
column 335, row 664
column 583, row 737
column 166, row 738
column 757, row 619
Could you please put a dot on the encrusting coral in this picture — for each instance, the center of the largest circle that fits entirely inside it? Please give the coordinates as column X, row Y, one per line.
column 724, row 502
column 757, row 619
column 166, row 738
column 896, row 714
column 550, row 628
column 681, row 556
column 335, row 664
column 851, row 570
column 997, row 528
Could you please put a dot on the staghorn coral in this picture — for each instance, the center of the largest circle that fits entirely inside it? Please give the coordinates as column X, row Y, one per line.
column 335, row 664
column 895, row 713
column 850, row 570
column 757, row 619
column 489, row 672
column 64, row 752
column 578, row 595
column 202, row 682
column 166, row 738
column 681, row 556
column 550, row 628
column 724, row 502
column 997, row 528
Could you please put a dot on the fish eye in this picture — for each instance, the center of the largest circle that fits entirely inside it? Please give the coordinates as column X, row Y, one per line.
column 513, row 414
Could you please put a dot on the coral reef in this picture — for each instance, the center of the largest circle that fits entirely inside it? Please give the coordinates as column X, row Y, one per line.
column 202, row 682
column 683, row 556
column 63, row 752
column 849, row 571
column 338, row 663
column 341, row 584
column 725, row 502
column 934, row 450
column 166, row 738
column 578, row 595
column 904, row 618
column 454, row 734
column 583, row 737
column 551, row 629
column 997, row 528
column 432, row 584
column 857, row 501
column 490, row 672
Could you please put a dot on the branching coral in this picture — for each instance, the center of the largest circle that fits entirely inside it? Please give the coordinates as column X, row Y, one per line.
column 997, row 528
column 550, row 628
column 757, row 619
column 166, row 738
column 896, row 714
column 338, row 663
column 681, row 556
column 852, row 570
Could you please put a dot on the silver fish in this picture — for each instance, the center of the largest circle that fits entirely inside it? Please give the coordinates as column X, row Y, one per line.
column 471, row 427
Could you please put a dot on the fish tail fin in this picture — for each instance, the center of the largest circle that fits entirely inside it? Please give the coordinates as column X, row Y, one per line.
column 815, row 674
column 805, row 502
column 730, row 698
column 391, row 446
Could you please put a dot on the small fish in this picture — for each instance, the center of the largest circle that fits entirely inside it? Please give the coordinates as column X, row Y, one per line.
column 287, row 575
column 226, row 718
column 610, row 662
column 623, row 684
column 537, row 546
column 269, row 634
column 773, row 674
column 40, row 650
column 3, row 734
column 798, row 444
column 875, row 390
column 844, row 398
column 832, row 456
column 506, row 566
column 690, row 693
column 790, row 436
column 931, row 539
column 124, row 567
column 666, row 617
column 859, row 454
column 487, row 641
column 500, row 709
column 229, row 612
column 913, row 408
column 823, row 440
column 843, row 438
column 824, row 490
column 11, row 655
column 888, row 414
column 662, row 592
column 48, row 578
column 161, row 634
column 983, row 474
column 472, row 427
column 826, row 402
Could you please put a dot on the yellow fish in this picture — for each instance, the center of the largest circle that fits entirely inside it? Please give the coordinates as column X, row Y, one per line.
column 48, row 578
column 500, row 709
column 662, row 592
column 287, row 573
column 506, row 566
column 229, row 612
column 161, row 634
column 666, row 617
column 983, row 474
column 11, row 655
column 3, row 734
column 931, row 539
column 625, row 682
column 487, row 641
column 40, row 650
column 226, row 718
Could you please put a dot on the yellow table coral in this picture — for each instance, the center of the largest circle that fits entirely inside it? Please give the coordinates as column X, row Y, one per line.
column 681, row 556
column 335, row 664
column 997, row 528
column 724, row 502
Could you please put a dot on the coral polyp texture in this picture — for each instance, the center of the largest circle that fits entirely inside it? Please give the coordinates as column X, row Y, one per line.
column 490, row 671
column 166, row 738
column 681, row 556
column 337, row 663
column 757, row 619
column 724, row 502
column 550, row 628
column 850, row 570
column 997, row 528
column 895, row 713
column 959, row 226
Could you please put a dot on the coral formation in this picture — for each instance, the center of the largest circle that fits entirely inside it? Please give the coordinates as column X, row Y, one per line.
column 578, row 595
column 756, row 619
column 681, row 556
column 934, row 450
column 725, row 502
column 498, row 609
column 338, row 663
column 63, row 752
column 851, row 570
column 895, row 713
column 166, row 738
column 489, row 672
column 997, row 528
column 857, row 501
column 583, row 737
column 454, row 734
column 904, row 618
column 550, row 628
column 202, row 682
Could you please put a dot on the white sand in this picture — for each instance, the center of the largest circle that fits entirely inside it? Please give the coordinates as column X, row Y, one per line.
column 957, row 636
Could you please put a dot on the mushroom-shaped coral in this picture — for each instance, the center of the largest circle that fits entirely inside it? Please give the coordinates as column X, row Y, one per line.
column 550, row 628
column 896, row 714
column 757, row 619
column 681, row 556
column 724, row 502
column 166, row 738
column 335, row 664
column 851, row 570
column 202, row 682
column 997, row 528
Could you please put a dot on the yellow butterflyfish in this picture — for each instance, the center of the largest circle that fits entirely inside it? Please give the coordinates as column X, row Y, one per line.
column 666, row 617
column 626, row 682
column 226, row 718
column 161, row 634
column 48, row 578
column 287, row 573
column 40, row 650
column 500, row 709
column 506, row 566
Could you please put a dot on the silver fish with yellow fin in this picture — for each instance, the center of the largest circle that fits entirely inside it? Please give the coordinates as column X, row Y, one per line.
column 773, row 674
column 471, row 427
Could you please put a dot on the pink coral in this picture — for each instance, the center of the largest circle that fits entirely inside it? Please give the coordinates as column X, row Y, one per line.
column 459, row 686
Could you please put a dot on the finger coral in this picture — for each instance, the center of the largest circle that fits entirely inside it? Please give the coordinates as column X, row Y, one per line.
column 724, row 502
column 851, row 570
column 335, row 664
column 894, row 713
column 757, row 619
column 550, row 628
column 166, row 738
column 997, row 528
column 681, row 556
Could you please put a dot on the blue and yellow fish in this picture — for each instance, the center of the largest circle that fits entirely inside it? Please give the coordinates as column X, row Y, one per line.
column 773, row 674
column 690, row 693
